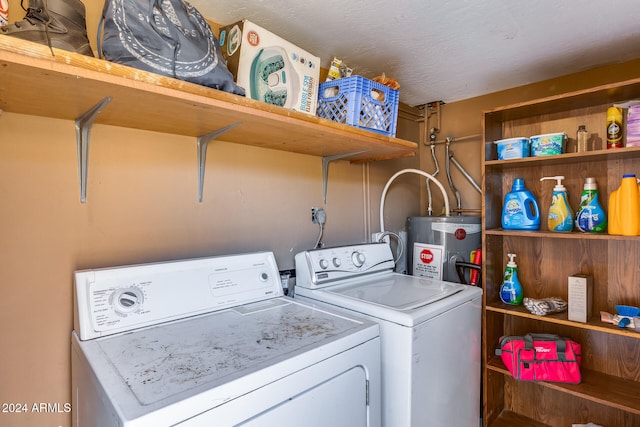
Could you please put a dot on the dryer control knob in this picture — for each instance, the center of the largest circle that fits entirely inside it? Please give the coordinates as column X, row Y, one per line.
column 336, row 262
column 358, row 259
column 324, row 264
column 127, row 300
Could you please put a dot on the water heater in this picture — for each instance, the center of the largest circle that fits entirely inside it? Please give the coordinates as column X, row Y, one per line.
column 435, row 243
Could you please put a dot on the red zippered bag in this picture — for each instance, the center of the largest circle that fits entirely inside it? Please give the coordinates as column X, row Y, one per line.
column 541, row 357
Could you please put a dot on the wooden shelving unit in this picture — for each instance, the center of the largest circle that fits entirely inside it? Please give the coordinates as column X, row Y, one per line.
column 68, row 85
column 609, row 393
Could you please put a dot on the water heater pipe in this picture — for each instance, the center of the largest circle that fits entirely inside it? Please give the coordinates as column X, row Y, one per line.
column 419, row 172
column 448, row 155
column 435, row 162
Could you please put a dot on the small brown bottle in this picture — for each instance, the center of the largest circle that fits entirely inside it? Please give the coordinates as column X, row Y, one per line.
column 582, row 141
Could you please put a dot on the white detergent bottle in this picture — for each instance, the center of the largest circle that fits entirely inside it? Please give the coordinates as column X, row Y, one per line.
column 560, row 217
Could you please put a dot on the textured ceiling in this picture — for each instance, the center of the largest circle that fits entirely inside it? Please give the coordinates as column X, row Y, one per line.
column 449, row 49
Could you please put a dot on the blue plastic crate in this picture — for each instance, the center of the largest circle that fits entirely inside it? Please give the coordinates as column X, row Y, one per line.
column 352, row 100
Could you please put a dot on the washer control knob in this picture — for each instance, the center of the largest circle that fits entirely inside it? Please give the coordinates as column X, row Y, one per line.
column 336, row 262
column 324, row 264
column 358, row 259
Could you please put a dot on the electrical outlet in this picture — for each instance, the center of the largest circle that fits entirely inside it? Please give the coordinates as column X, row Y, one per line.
column 318, row 216
column 379, row 237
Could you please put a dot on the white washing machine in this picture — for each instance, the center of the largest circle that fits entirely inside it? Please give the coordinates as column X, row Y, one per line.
column 213, row 341
column 429, row 329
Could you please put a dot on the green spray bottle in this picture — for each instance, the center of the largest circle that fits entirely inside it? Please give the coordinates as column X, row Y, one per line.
column 511, row 290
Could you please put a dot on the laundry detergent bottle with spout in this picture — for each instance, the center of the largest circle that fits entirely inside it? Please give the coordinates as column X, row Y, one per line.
column 624, row 208
column 560, row 219
column 511, row 289
column 590, row 217
column 520, row 210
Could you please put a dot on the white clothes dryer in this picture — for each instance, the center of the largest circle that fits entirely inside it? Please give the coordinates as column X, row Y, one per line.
column 213, row 341
column 429, row 330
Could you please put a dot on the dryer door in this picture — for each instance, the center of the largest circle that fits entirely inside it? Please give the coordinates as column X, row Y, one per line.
column 342, row 391
column 308, row 408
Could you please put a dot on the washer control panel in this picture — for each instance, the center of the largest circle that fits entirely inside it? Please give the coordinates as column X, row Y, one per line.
column 319, row 267
column 124, row 298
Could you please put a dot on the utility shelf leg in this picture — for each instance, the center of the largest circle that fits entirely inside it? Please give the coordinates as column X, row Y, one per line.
column 202, row 143
column 325, row 168
column 83, row 131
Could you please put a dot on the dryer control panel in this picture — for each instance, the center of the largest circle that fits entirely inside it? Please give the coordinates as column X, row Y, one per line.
column 120, row 299
column 320, row 267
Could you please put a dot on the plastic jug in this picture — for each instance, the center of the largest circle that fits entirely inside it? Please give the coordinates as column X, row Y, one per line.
column 520, row 210
column 624, row 208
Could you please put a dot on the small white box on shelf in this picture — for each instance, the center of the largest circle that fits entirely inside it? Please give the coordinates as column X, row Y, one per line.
column 580, row 297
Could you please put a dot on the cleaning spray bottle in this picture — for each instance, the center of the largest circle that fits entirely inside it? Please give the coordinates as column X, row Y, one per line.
column 590, row 217
column 520, row 210
column 511, row 289
column 560, row 217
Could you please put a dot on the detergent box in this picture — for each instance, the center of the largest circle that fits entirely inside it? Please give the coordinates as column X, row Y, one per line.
column 270, row 68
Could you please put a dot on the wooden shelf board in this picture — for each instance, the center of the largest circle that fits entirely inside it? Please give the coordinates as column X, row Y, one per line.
column 67, row 85
column 601, row 95
column 593, row 324
column 566, row 158
column 595, row 386
column 551, row 235
column 511, row 419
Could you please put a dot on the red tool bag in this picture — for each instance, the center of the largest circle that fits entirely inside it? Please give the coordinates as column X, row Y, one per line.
column 541, row 357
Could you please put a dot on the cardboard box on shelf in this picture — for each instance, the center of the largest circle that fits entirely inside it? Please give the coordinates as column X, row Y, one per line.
column 633, row 126
column 580, row 297
column 270, row 68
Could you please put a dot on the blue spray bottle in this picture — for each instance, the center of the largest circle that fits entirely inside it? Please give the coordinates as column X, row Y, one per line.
column 511, row 290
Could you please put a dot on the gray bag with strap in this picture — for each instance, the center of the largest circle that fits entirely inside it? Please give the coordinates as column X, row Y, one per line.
column 168, row 37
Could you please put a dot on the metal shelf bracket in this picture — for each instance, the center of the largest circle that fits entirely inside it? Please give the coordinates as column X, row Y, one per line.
column 325, row 168
column 202, row 143
column 83, row 131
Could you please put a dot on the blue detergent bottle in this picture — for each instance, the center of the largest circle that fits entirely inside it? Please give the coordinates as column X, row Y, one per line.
column 511, row 290
column 520, row 210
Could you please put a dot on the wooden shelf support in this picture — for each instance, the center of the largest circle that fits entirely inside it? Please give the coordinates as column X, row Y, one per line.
column 73, row 80
column 201, row 144
column 83, row 131
column 325, row 168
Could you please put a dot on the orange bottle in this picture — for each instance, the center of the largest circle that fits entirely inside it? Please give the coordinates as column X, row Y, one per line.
column 624, row 208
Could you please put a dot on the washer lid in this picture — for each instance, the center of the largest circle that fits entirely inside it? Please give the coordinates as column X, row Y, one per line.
column 399, row 292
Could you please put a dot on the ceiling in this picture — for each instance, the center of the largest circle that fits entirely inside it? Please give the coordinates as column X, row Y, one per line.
column 448, row 50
